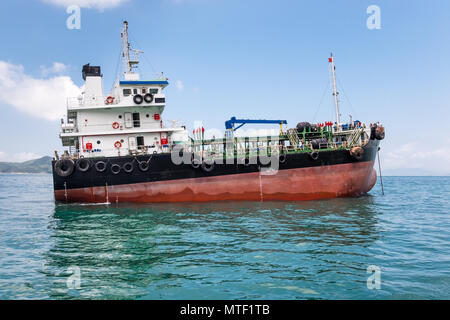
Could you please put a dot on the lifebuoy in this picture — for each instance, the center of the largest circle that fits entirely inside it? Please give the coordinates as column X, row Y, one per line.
column 83, row 165
column 115, row 125
column 100, row 166
column 117, row 144
column 138, row 99
column 64, row 167
column 148, row 98
column 109, row 100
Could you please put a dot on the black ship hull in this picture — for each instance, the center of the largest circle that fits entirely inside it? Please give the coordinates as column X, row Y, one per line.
column 300, row 176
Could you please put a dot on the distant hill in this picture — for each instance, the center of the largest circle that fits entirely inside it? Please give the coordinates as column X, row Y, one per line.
column 40, row 165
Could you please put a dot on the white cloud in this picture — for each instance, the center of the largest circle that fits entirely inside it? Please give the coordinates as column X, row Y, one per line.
column 98, row 4
column 179, row 85
column 419, row 156
column 42, row 98
column 56, row 68
column 18, row 157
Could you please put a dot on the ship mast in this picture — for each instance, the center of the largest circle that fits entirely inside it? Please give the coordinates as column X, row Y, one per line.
column 130, row 56
column 335, row 93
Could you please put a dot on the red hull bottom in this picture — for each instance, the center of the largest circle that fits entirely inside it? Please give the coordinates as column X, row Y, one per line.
column 343, row 180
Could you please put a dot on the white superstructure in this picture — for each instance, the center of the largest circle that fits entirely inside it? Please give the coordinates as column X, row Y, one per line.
column 128, row 121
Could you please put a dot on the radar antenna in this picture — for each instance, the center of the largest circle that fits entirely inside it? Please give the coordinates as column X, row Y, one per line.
column 130, row 56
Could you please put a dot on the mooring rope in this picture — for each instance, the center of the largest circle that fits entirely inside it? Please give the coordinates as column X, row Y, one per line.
column 379, row 169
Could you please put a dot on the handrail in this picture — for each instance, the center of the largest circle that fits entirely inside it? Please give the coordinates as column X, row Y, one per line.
column 144, row 124
column 355, row 136
column 82, row 101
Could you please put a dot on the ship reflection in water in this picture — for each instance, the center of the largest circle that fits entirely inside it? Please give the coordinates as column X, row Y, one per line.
column 239, row 250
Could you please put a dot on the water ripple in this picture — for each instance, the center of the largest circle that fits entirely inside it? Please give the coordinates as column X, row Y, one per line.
column 238, row 250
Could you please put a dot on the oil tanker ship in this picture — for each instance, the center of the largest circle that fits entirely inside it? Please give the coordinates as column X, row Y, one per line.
column 119, row 149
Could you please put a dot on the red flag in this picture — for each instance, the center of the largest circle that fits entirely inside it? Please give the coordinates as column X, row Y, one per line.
column 330, row 59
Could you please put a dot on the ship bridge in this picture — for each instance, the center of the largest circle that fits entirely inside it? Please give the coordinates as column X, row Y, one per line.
column 125, row 93
column 128, row 120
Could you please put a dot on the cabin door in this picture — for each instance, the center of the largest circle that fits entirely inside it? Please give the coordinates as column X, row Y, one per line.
column 128, row 120
column 132, row 143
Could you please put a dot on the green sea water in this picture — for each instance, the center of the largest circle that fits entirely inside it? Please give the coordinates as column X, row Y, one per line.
column 227, row 250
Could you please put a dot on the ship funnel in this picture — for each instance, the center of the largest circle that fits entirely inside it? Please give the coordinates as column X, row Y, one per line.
column 93, row 92
column 91, row 71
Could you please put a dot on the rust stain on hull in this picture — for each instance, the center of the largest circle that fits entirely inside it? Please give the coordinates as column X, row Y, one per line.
column 292, row 185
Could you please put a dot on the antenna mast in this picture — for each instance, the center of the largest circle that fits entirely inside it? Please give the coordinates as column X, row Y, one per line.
column 335, row 93
column 126, row 47
column 130, row 56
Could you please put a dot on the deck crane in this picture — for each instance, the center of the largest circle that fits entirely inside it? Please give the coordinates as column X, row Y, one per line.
column 230, row 124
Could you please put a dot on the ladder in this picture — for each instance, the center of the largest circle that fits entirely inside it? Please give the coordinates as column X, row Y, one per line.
column 354, row 137
column 293, row 137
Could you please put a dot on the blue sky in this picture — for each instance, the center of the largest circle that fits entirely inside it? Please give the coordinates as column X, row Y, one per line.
column 255, row 59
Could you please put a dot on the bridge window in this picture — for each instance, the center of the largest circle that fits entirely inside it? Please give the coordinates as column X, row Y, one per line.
column 135, row 91
column 154, row 91
column 126, row 92
column 144, row 90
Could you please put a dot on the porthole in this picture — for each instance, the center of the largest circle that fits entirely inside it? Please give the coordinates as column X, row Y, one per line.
column 120, row 116
column 147, row 115
column 121, row 140
column 98, row 141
